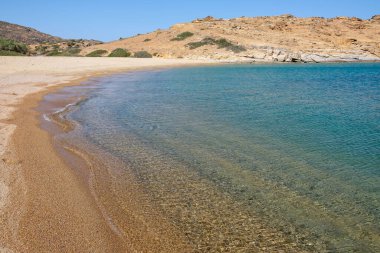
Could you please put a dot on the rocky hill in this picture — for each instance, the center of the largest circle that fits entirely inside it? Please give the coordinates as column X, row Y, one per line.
column 263, row 39
column 24, row 34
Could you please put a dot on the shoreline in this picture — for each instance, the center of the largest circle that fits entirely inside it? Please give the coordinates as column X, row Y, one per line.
column 29, row 190
column 123, row 199
column 35, row 187
column 53, row 196
column 96, row 169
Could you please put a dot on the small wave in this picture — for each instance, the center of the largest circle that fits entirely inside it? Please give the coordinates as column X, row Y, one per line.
column 65, row 108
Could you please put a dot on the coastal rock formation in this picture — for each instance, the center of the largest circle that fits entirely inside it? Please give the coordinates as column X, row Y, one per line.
column 282, row 38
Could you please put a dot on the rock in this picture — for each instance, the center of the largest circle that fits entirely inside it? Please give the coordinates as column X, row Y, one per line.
column 206, row 19
column 375, row 18
column 286, row 16
column 281, row 57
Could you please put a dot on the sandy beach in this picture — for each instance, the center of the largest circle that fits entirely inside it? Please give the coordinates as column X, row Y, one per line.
column 43, row 205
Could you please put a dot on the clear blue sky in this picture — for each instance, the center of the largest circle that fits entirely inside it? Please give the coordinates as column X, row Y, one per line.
column 110, row 19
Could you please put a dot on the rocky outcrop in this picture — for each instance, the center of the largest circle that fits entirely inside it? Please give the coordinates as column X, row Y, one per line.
column 282, row 55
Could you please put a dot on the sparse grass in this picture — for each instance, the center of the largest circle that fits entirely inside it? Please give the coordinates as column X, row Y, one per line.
column 13, row 46
column 221, row 43
column 142, row 54
column 119, row 52
column 183, row 36
column 97, row 53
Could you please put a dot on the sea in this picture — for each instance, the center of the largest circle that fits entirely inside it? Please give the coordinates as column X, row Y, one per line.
column 243, row 157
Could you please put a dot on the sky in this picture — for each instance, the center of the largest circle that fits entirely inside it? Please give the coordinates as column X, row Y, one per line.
column 108, row 20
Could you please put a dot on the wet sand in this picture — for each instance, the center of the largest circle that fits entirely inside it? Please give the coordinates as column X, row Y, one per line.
column 44, row 205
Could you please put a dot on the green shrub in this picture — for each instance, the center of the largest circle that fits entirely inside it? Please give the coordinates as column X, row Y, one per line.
column 146, row 40
column 205, row 41
column 97, row 53
column 55, row 52
column 73, row 51
column 221, row 43
column 183, row 36
column 11, row 45
column 67, row 52
column 142, row 54
column 120, row 52
column 10, row 53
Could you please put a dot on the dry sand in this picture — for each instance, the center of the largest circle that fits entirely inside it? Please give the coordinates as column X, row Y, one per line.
column 43, row 205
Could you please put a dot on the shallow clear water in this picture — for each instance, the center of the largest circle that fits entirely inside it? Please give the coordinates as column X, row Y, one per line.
column 297, row 147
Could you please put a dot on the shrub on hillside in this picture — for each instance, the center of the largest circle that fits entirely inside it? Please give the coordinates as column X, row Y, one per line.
column 146, row 40
column 41, row 49
column 142, row 54
column 67, row 52
column 10, row 53
column 221, row 43
column 97, row 53
column 182, row 36
column 205, row 41
column 55, row 52
column 120, row 52
column 13, row 46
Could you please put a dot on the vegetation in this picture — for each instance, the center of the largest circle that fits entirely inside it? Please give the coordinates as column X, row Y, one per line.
column 183, row 36
column 10, row 53
column 67, row 52
column 41, row 49
column 142, row 54
column 13, row 46
column 97, row 53
column 72, row 51
column 221, row 43
column 55, row 52
column 146, row 40
column 205, row 41
column 120, row 52
column 71, row 43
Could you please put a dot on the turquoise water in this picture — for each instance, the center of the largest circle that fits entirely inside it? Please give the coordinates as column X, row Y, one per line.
column 295, row 148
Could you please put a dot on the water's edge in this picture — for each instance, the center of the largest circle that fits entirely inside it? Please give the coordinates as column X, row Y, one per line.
column 227, row 217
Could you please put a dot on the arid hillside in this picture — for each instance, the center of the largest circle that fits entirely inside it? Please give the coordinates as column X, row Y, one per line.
column 24, row 34
column 281, row 38
column 21, row 40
